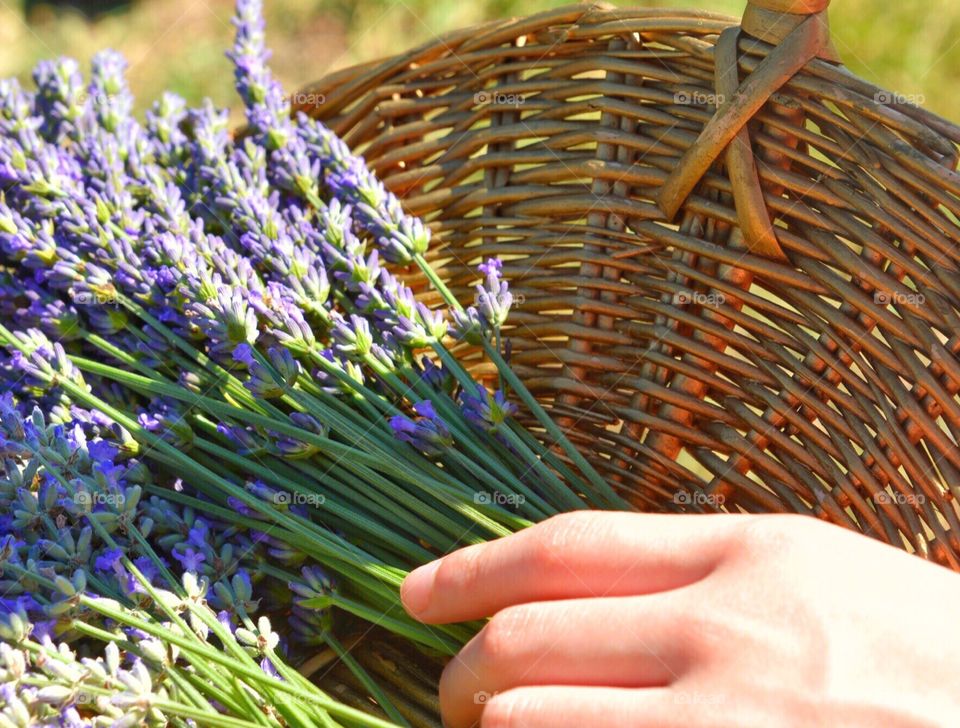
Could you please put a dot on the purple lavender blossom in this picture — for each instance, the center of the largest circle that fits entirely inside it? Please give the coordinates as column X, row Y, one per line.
column 228, row 319
column 189, row 559
column 485, row 411
column 468, row 325
column 108, row 561
column 268, row 110
column 60, row 99
column 427, row 433
column 275, row 381
column 435, row 375
column 352, row 336
column 493, row 296
column 245, row 440
column 493, row 300
column 111, row 99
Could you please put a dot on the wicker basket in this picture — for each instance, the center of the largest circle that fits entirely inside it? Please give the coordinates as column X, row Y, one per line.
column 737, row 263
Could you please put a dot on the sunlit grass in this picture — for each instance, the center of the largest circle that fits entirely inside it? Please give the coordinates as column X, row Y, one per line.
column 910, row 46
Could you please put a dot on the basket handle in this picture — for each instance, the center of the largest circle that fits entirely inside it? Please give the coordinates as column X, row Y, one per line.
column 800, row 31
column 773, row 20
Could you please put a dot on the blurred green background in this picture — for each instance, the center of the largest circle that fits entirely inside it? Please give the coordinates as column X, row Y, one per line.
column 909, row 46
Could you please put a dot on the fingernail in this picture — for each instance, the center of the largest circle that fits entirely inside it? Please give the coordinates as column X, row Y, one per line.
column 417, row 588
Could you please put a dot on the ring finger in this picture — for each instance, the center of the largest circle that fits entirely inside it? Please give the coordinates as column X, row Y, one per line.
column 614, row 641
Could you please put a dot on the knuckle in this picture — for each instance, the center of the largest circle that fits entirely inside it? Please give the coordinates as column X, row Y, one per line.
column 542, row 555
column 503, row 634
column 554, row 537
column 775, row 533
column 700, row 634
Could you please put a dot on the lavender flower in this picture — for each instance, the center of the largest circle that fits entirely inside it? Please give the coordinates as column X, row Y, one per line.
column 485, row 411
column 16, row 106
column 477, row 323
column 268, row 110
column 163, row 127
column 493, row 296
column 275, row 381
column 398, row 235
column 468, row 325
column 57, row 537
column 435, row 375
column 352, row 336
column 110, row 96
column 427, row 433
column 189, row 559
column 60, row 99
column 227, row 319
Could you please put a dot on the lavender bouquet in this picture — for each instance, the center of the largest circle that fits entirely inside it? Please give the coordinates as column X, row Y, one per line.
column 211, row 347
column 104, row 619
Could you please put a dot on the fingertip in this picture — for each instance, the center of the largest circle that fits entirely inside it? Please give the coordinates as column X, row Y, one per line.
column 417, row 589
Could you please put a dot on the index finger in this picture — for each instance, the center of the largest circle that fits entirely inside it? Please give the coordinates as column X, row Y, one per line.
column 570, row 556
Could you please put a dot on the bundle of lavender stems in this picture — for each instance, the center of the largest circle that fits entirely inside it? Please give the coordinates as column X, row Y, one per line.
column 222, row 406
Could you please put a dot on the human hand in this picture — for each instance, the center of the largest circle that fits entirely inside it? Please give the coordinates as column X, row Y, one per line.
column 618, row 619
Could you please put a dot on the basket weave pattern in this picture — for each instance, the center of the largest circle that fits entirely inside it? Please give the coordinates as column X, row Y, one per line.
column 738, row 281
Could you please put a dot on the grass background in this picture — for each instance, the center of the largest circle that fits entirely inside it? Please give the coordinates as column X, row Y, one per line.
column 908, row 46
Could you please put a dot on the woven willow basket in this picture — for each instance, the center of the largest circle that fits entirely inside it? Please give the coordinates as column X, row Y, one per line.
column 736, row 262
